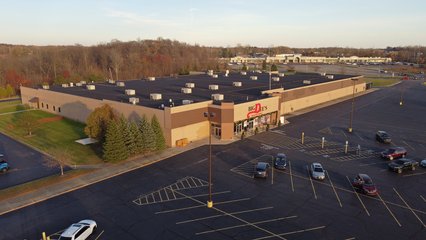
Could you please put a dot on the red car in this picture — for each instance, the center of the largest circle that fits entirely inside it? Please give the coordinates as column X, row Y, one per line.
column 363, row 183
column 394, row 153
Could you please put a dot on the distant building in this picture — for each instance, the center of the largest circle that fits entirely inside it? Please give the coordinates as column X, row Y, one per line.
column 298, row 58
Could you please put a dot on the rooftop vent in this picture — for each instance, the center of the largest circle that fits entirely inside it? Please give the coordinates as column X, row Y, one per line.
column 111, row 81
column 151, row 78
column 214, row 87
column 83, row 82
column 210, row 72
column 226, row 73
column 130, row 92
column 306, row 81
column 120, row 84
column 190, row 85
column 281, row 74
column 71, row 84
column 134, row 100
column 243, row 73
column 329, row 76
column 253, row 77
column 45, row 86
column 276, row 79
column 79, row 84
column 323, row 74
column 90, row 87
column 215, row 76
column 65, row 85
column 155, row 96
column 217, row 97
column 186, row 101
column 237, row 84
column 186, row 90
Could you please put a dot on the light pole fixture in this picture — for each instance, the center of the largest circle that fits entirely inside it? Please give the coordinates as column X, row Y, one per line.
column 209, row 115
column 353, row 105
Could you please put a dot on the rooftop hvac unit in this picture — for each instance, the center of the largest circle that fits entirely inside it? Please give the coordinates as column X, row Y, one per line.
column 45, row 86
column 237, row 84
column 83, row 82
column 243, row 73
column 281, row 74
column 276, row 79
column 134, row 100
column 90, row 87
column 65, row 85
column 329, row 76
column 253, row 77
column 151, row 78
column 306, row 81
column 210, row 72
column 186, row 101
column 323, row 74
column 214, row 87
column 190, row 85
column 215, row 76
column 120, row 84
column 155, row 96
column 217, row 97
column 130, row 92
column 71, row 84
column 186, row 90
column 79, row 84
column 111, row 81
column 227, row 72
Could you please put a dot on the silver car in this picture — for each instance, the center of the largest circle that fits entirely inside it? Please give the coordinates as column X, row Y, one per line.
column 317, row 171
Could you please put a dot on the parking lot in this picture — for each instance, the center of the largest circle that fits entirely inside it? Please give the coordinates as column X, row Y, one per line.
column 167, row 200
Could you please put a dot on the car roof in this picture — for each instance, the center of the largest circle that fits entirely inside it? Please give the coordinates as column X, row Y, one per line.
column 317, row 165
column 281, row 155
column 69, row 232
column 364, row 176
column 381, row 132
column 262, row 164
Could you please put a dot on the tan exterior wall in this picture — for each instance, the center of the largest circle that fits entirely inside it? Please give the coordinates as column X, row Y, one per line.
column 192, row 132
column 241, row 110
column 315, row 99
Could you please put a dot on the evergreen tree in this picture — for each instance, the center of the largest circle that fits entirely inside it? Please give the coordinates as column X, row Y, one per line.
column 147, row 135
column 114, row 146
column 274, row 68
column 137, row 138
column 124, row 127
column 160, row 142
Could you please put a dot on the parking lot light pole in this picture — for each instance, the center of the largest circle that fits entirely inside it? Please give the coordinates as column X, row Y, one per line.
column 353, row 105
column 209, row 115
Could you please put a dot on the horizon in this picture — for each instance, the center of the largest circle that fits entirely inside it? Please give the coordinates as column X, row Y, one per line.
column 352, row 24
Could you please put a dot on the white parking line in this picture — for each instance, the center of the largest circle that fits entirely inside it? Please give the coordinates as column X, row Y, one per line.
column 312, row 184
column 99, row 235
column 391, row 213
column 399, row 195
column 359, row 136
column 414, row 174
column 291, row 176
column 203, row 205
column 344, row 134
column 222, row 215
column 332, row 186
column 244, row 225
column 408, row 144
column 369, row 164
column 356, row 193
column 424, row 200
column 352, row 238
column 293, row 232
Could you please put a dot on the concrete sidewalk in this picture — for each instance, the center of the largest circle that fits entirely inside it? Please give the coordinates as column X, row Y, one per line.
column 103, row 173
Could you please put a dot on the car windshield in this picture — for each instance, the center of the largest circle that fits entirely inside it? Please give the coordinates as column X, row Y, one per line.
column 318, row 169
column 400, row 162
column 280, row 159
column 260, row 167
column 64, row 238
column 368, row 181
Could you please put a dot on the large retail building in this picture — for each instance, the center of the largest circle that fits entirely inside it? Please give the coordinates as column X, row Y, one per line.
column 237, row 102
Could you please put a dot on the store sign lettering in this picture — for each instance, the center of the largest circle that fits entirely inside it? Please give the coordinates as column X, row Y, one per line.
column 255, row 110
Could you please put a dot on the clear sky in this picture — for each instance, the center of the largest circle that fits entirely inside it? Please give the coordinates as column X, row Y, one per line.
column 263, row 23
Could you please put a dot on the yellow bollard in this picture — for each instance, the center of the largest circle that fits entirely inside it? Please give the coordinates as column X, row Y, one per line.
column 43, row 235
column 303, row 137
column 209, row 204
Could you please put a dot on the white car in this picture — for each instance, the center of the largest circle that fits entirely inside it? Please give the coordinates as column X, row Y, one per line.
column 317, row 171
column 79, row 231
column 423, row 163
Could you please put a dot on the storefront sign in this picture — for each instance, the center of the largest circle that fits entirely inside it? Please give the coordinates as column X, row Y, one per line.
column 256, row 110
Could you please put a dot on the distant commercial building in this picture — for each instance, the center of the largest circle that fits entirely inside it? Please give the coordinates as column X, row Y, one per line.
column 240, row 102
column 298, row 58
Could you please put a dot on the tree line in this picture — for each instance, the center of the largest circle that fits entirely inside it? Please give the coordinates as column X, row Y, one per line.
column 120, row 138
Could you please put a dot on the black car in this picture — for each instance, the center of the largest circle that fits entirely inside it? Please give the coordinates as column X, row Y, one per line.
column 383, row 137
column 394, row 153
column 403, row 164
column 280, row 161
column 261, row 170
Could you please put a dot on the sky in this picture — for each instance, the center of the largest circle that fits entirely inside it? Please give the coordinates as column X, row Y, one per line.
column 220, row 23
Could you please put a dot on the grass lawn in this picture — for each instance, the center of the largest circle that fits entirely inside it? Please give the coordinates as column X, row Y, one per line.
column 381, row 82
column 11, row 106
column 55, row 136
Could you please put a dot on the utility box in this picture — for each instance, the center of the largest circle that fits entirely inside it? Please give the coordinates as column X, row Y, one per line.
column 237, row 84
column 275, row 79
column 90, row 87
column 120, row 84
column 214, row 87
column 130, row 92
column 186, row 90
column 155, row 96
column 217, row 97
column 134, row 100
column 253, row 77
column 190, row 85
column 151, row 78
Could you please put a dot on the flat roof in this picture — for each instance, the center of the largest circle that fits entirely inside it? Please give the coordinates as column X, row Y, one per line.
column 170, row 88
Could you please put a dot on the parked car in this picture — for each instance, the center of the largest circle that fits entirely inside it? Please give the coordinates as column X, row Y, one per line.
column 261, row 170
column 423, row 163
column 403, row 164
column 363, row 183
column 280, row 161
column 383, row 137
column 317, row 171
column 394, row 153
column 79, row 231
column 4, row 166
